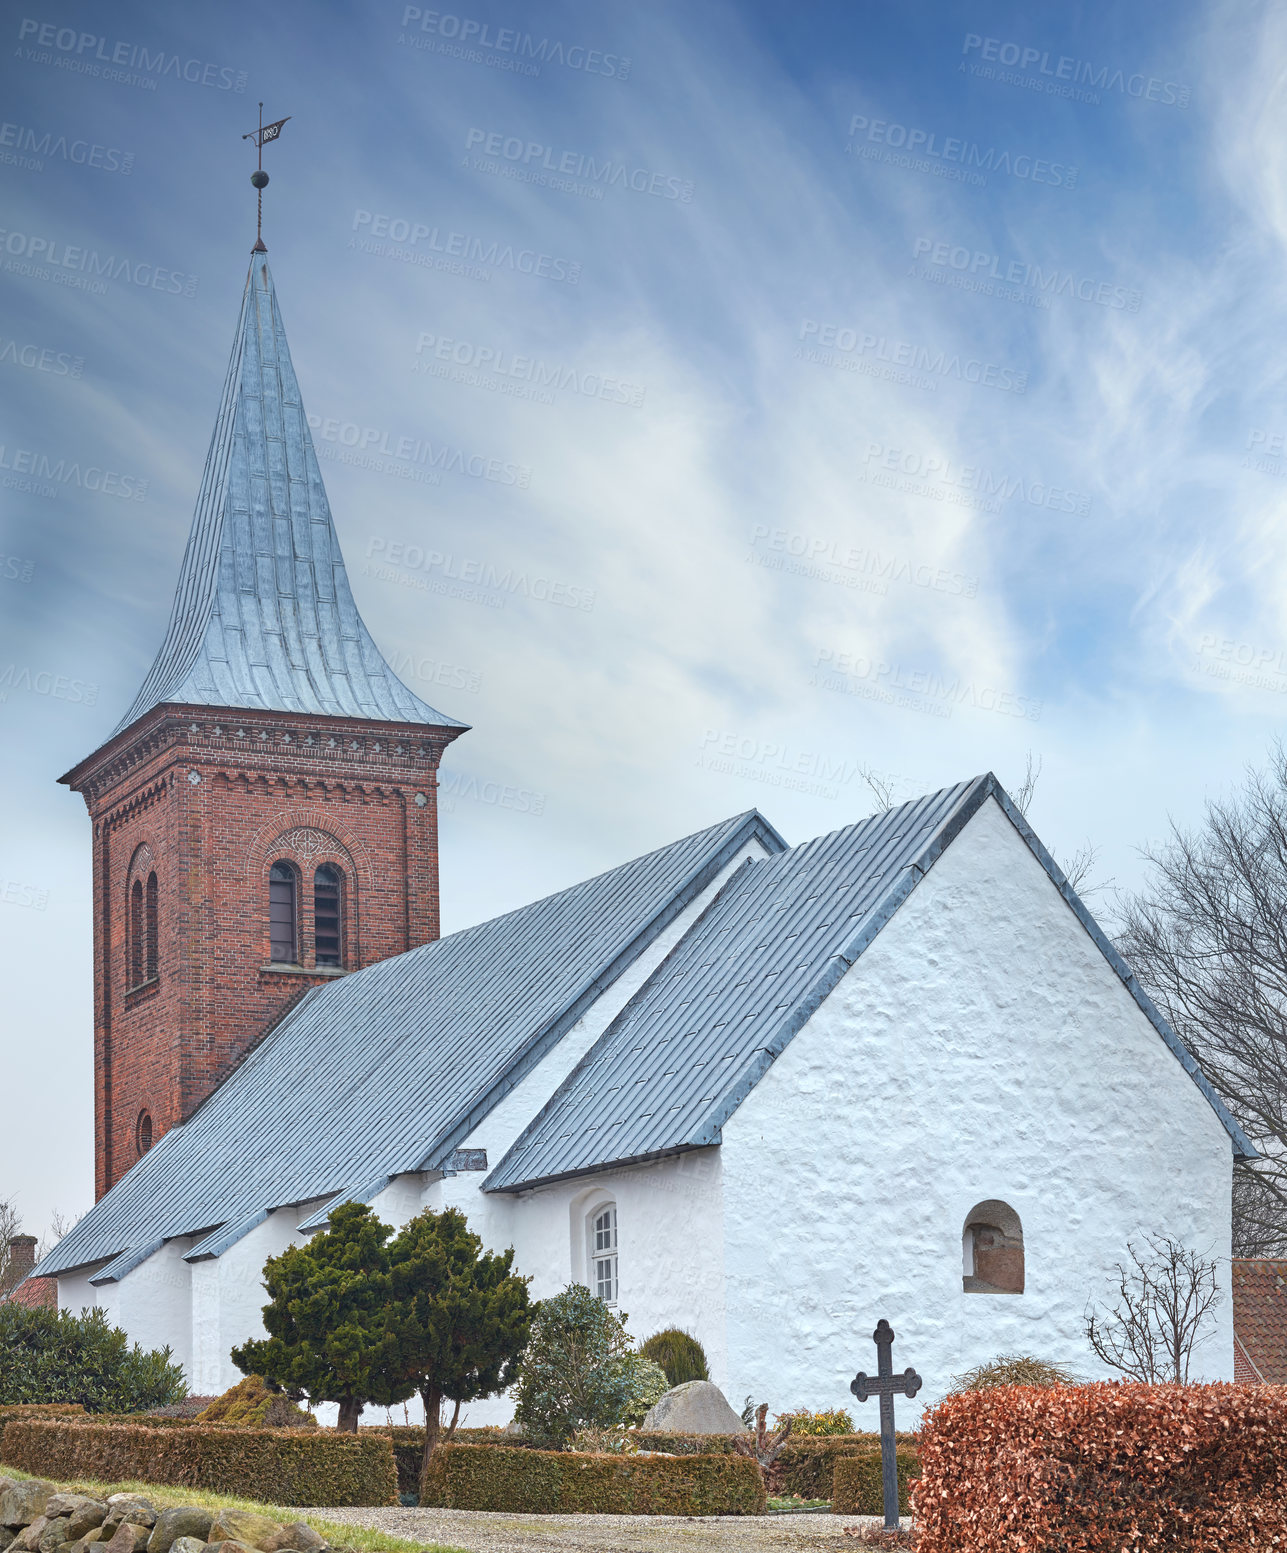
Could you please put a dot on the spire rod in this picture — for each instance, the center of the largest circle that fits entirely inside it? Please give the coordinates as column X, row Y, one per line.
column 259, row 178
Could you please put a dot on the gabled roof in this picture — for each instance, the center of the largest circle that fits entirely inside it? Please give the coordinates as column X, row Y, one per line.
column 263, row 618
column 385, row 1071
column 1260, row 1320
column 691, row 1045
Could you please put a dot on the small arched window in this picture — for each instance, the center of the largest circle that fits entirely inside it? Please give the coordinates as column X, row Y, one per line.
column 328, row 938
column 143, row 1132
column 149, row 932
column 601, row 1236
column 283, row 914
column 135, row 952
column 992, row 1249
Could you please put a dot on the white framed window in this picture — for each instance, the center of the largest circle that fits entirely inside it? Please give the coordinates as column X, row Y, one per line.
column 601, row 1237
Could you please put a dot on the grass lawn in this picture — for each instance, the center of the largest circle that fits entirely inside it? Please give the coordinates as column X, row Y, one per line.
column 163, row 1496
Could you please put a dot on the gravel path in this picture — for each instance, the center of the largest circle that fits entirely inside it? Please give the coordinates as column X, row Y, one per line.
column 487, row 1531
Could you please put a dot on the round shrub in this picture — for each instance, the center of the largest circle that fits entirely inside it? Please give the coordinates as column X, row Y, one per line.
column 252, row 1404
column 576, row 1371
column 648, row 1384
column 1013, row 1369
column 52, row 1356
column 679, row 1354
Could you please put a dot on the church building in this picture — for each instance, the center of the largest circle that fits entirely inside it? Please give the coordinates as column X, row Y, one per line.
column 768, row 1093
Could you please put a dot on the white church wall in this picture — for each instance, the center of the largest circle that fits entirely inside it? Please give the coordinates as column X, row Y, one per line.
column 228, row 1297
column 152, row 1302
column 981, row 1048
column 670, row 1250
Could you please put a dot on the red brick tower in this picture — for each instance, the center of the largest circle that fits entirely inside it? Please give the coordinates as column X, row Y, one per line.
column 265, row 815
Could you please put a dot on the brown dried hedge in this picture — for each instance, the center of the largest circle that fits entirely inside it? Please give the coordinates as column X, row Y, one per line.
column 526, row 1481
column 16, row 1411
column 274, row 1466
column 1104, row 1468
column 858, row 1487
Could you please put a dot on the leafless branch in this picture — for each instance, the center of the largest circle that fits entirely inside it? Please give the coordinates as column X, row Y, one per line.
column 1023, row 794
column 881, row 787
column 1162, row 1300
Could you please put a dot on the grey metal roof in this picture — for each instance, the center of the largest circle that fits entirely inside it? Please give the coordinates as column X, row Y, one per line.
column 263, row 617
column 691, row 1045
column 387, row 1070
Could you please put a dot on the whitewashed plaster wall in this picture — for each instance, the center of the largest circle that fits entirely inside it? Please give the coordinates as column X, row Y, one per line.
column 153, row 1303
column 228, row 1297
column 981, row 1048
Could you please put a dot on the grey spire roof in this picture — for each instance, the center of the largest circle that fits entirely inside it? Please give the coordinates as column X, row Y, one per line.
column 387, row 1070
column 263, row 617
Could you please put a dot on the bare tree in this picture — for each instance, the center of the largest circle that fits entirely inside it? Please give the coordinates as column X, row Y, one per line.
column 1162, row 1300
column 1080, row 867
column 60, row 1224
column 880, row 786
column 1207, row 936
column 10, row 1225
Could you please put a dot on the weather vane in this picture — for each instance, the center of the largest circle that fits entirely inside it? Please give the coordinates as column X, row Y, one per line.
column 259, row 177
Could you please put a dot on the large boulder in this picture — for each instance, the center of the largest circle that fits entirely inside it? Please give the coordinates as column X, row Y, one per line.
column 245, row 1526
column 298, row 1537
column 187, row 1545
column 187, row 1520
column 128, row 1507
column 85, row 1515
column 23, row 1502
column 696, row 1407
column 129, row 1537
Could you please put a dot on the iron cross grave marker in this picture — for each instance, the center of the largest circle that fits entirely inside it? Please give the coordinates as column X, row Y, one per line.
column 884, row 1384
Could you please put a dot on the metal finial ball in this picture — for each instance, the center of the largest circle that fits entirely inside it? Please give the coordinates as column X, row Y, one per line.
column 259, row 179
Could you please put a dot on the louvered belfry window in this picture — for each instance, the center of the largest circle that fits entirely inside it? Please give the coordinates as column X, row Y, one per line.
column 282, row 914
column 327, row 935
column 135, row 967
column 149, row 937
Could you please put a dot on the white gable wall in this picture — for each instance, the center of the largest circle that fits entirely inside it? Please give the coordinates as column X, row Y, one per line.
column 981, row 1048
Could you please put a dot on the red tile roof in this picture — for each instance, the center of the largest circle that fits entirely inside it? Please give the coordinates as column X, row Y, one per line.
column 1260, row 1321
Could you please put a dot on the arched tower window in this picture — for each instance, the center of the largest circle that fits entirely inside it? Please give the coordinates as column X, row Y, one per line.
column 283, row 914
column 143, row 1132
column 992, row 1248
column 328, row 936
column 135, row 934
column 601, row 1237
column 150, row 934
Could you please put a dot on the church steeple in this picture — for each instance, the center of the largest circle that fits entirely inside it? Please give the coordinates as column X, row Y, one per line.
column 263, row 617
column 265, row 815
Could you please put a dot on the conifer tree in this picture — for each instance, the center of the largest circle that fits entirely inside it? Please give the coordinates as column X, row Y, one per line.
column 328, row 1319
column 460, row 1315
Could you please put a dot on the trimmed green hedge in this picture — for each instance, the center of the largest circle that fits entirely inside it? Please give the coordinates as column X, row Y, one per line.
column 526, row 1481
column 858, row 1488
column 274, row 1466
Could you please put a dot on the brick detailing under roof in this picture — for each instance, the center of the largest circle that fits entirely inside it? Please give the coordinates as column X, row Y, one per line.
column 1260, row 1320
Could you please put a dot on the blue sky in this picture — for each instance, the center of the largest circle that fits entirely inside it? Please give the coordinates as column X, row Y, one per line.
column 863, row 388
